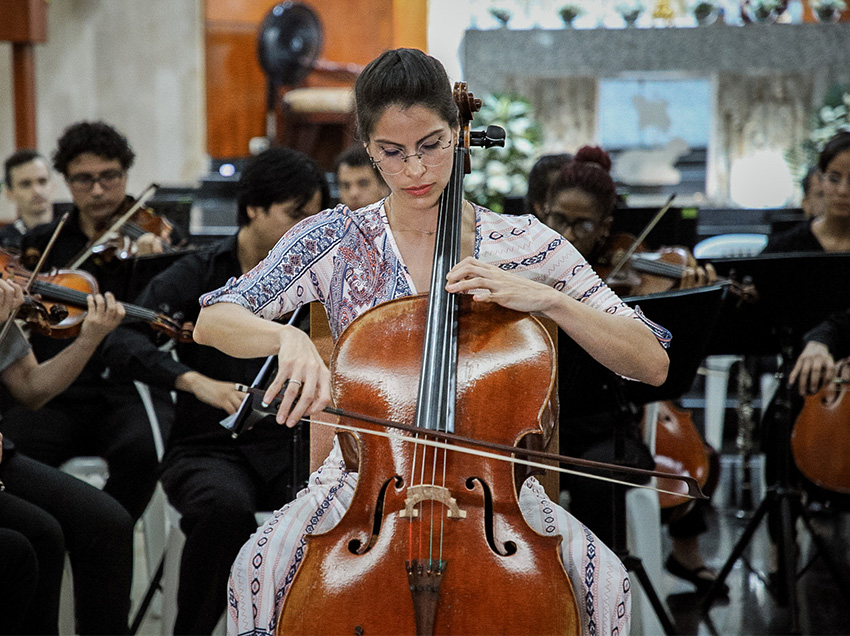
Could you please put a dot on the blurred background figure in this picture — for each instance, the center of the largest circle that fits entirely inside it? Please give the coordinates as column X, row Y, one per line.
column 814, row 197
column 358, row 181
column 540, row 178
column 30, row 187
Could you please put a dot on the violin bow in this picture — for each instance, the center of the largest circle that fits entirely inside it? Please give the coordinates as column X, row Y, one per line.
column 48, row 248
column 105, row 236
column 644, row 233
column 450, row 439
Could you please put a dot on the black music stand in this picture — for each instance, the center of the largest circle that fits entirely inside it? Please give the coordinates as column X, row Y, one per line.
column 690, row 315
column 795, row 292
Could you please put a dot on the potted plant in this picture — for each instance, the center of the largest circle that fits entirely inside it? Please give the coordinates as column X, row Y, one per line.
column 762, row 10
column 827, row 11
column 630, row 10
column 705, row 11
column 570, row 12
column 502, row 14
column 501, row 172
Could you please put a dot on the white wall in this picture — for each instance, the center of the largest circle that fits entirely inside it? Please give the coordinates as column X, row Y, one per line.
column 136, row 65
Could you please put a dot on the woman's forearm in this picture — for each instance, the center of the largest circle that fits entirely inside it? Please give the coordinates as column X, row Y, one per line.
column 238, row 332
column 622, row 344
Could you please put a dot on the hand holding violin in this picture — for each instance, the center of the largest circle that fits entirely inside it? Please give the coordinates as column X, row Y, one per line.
column 11, row 298
column 814, row 369
column 696, row 275
column 104, row 314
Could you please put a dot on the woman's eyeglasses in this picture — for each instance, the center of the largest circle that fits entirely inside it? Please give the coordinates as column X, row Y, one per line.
column 580, row 227
column 85, row 181
column 430, row 154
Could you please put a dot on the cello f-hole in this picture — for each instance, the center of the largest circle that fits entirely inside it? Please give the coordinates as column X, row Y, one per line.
column 508, row 548
column 356, row 546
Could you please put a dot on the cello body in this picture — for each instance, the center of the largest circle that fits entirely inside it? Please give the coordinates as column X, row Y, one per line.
column 820, row 442
column 449, row 553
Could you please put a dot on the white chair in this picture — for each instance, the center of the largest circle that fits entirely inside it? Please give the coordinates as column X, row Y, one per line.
column 94, row 471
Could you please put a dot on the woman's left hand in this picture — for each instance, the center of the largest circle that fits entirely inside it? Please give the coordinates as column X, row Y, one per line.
column 487, row 283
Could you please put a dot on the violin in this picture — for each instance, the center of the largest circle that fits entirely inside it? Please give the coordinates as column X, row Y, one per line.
column 56, row 303
column 645, row 272
column 118, row 239
column 820, row 443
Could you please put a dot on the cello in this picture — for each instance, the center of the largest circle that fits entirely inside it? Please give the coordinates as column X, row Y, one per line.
column 819, row 441
column 431, row 533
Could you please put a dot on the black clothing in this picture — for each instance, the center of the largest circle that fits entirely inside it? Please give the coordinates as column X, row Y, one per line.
column 96, row 415
column 599, row 424
column 797, row 239
column 11, row 235
column 215, row 482
column 834, row 332
column 55, row 511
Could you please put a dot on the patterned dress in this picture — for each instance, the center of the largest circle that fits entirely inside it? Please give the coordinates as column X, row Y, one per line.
column 349, row 261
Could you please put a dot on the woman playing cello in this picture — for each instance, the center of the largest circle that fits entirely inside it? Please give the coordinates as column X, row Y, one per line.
column 353, row 261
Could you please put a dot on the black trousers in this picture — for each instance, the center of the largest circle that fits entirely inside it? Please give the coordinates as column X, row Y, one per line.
column 18, row 579
column 109, row 422
column 217, row 493
column 55, row 512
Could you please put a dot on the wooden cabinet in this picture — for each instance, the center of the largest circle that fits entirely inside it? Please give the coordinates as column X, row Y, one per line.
column 355, row 31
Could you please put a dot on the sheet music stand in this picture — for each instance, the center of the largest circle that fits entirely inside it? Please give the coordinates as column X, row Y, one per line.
column 795, row 291
column 690, row 315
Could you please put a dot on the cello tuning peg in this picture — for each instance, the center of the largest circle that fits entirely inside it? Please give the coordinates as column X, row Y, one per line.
column 493, row 136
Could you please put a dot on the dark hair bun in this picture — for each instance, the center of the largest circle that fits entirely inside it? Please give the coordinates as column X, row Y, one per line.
column 594, row 154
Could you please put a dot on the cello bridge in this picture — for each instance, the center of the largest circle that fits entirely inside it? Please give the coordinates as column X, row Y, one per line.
column 430, row 492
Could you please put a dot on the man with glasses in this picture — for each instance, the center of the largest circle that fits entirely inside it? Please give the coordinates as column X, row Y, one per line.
column 29, row 186
column 97, row 415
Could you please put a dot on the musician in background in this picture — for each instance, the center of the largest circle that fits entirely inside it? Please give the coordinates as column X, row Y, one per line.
column 359, row 182
column 830, row 230
column 816, row 365
column 540, row 179
column 580, row 205
column 218, row 483
column 96, row 415
column 30, row 187
column 45, row 512
column 814, row 197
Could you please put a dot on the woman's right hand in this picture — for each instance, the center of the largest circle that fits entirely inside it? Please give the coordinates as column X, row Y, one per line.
column 11, row 297
column 813, row 370
column 309, row 388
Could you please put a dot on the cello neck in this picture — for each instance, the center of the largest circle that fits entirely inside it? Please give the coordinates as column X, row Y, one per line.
column 437, row 385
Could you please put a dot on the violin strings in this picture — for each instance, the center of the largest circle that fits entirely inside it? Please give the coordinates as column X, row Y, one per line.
column 78, row 298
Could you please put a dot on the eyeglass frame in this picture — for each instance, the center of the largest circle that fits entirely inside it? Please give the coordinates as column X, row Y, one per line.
column 418, row 155
column 106, row 179
column 571, row 224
